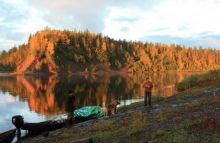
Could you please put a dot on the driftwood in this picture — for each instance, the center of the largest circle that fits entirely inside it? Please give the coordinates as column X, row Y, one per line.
column 84, row 140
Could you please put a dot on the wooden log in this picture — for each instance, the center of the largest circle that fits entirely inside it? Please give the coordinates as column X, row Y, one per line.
column 84, row 140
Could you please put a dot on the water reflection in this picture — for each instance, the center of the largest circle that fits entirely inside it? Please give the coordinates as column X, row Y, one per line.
column 38, row 98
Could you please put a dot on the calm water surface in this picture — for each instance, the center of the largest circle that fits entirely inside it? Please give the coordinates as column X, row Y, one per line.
column 39, row 98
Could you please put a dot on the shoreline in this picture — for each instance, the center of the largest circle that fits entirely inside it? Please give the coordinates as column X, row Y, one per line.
column 135, row 119
column 82, row 73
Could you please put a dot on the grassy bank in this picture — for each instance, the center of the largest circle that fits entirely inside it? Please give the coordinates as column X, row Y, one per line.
column 211, row 78
column 191, row 116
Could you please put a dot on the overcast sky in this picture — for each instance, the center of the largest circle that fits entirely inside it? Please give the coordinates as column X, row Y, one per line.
column 188, row 22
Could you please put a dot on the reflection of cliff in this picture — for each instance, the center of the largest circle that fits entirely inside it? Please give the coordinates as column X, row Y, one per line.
column 38, row 92
column 41, row 95
column 48, row 95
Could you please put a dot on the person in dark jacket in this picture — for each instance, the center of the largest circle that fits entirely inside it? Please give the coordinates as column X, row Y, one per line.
column 148, row 88
column 70, row 106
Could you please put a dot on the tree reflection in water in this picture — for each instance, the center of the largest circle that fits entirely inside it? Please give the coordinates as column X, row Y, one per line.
column 47, row 95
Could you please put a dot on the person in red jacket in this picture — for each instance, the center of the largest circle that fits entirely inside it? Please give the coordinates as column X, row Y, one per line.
column 148, row 87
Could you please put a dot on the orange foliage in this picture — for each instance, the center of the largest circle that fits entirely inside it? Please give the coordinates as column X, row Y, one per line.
column 53, row 50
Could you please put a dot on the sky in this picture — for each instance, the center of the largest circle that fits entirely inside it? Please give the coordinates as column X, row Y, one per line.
column 186, row 22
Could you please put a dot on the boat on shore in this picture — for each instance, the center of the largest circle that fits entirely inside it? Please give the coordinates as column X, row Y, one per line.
column 35, row 128
column 7, row 137
column 59, row 121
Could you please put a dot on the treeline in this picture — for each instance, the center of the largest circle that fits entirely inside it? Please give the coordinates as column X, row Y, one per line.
column 69, row 50
column 10, row 59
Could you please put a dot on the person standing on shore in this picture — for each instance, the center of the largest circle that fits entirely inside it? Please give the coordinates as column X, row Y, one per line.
column 147, row 95
column 70, row 106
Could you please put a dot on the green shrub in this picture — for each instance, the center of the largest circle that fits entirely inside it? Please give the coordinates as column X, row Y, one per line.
column 188, row 83
column 205, row 79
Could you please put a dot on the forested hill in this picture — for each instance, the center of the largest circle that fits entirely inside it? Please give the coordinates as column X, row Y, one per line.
column 70, row 51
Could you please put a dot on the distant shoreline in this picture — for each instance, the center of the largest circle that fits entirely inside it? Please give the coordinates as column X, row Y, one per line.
column 83, row 73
